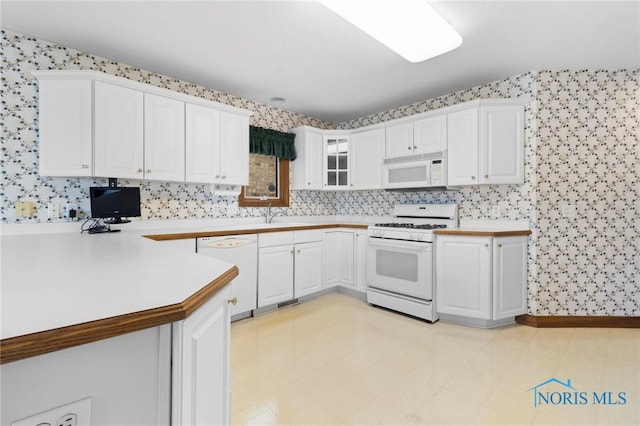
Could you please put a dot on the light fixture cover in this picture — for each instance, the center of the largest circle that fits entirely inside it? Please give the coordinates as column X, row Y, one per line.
column 411, row 28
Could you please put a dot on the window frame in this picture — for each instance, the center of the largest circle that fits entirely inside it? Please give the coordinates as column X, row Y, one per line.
column 283, row 190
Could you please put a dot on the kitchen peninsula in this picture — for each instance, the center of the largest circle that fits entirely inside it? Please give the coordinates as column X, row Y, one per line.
column 135, row 302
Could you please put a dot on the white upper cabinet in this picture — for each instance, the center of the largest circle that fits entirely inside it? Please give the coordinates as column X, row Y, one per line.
column 430, row 134
column 501, row 144
column 95, row 124
column 202, row 142
column 307, row 168
column 367, row 153
column 66, row 131
column 119, row 131
column 217, row 146
column 336, row 161
column 234, row 149
column 462, row 164
column 163, row 138
column 399, row 140
column 486, row 144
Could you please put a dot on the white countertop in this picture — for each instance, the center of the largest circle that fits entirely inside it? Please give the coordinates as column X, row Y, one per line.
column 57, row 280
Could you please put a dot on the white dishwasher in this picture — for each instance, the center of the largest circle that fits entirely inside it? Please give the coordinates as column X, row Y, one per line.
column 242, row 251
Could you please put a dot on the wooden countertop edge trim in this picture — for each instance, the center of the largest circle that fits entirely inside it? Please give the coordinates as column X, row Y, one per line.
column 539, row 321
column 483, row 233
column 29, row 345
column 200, row 234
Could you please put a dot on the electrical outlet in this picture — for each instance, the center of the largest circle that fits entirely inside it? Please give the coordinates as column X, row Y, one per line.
column 74, row 414
column 69, row 419
column 495, row 211
column 53, row 211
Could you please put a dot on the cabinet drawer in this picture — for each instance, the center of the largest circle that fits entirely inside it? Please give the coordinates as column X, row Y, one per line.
column 270, row 239
column 307, row 236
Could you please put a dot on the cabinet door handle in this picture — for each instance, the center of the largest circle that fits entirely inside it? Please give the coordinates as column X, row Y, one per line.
column 499, row 245
column 486, row 245
column 233, row 301
column 84, row 166
column 224, row 177
column 415, row 147
column 486, row 176
column 298, row 251
column 148, row 170
column 139, row 170
column 217, row 176
column 473, row 178
column 409, row 148
column 308, row 183
column 291, row 252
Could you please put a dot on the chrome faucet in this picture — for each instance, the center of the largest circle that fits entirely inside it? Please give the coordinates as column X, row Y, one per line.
column 268, row 216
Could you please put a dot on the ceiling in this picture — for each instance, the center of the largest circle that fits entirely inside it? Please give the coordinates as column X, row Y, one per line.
column 320, row 64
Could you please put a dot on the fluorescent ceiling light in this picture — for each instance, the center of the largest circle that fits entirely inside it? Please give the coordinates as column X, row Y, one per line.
column 411, row 28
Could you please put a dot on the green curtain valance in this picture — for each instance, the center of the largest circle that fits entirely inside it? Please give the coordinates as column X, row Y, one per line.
column 272, row 142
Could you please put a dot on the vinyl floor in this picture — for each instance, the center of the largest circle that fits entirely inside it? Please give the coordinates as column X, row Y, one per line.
column 335, row 360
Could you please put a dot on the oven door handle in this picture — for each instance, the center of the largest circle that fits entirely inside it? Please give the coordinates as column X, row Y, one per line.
column 382, row 242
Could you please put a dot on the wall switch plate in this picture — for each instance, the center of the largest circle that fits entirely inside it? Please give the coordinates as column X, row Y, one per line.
column 25, row 209
column 74, row 414
column 495, row 211
column 568, row 210
column 53, row 211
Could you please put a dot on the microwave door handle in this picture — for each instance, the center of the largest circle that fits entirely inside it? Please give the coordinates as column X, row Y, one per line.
column 429, row 180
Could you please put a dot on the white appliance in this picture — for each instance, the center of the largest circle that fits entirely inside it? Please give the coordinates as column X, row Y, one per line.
column 415, row 171
column 241, row 250
column 400, row 259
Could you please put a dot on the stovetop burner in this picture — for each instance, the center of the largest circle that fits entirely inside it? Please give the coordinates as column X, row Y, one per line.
column 411, row 225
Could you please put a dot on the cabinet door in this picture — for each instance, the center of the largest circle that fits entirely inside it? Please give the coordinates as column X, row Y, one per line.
column 360, row 261
column 463, row 276
column 331, row 259
column 509, row 277
column 163, row 138
column 275, row 275
column 202, row 144
column 345, row 256
column 308, row 268
column 307, row 170
column 66, row 131
column 462, row 145
column 234, row 149
column 119, row 130
column 336, row 162
column 201, row 378
column 501, row 147
column 430, row 134
column 399, row 140
column 367, row 152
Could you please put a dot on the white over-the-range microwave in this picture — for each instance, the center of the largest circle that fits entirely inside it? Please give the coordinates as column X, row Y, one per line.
column 415, row 171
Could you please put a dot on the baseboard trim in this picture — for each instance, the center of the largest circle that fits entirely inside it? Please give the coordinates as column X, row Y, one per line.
column 578, row 321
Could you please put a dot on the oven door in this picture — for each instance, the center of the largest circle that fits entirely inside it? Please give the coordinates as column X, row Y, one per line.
column 404, row 267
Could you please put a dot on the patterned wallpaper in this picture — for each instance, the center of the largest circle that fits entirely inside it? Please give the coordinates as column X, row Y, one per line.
column 160, row 200
column 581, row 147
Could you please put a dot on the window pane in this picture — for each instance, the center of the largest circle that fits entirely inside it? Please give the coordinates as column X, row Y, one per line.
column 263, row 176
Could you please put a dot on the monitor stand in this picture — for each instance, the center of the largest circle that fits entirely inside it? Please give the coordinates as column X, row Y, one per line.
column 116, row 221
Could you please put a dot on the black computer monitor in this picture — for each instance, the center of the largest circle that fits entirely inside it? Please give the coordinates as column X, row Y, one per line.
column 114, row 203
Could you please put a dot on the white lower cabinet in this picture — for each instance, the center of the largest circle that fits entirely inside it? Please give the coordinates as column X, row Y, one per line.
column 201, row 390
column 361, row 260
column 339, row 259
column 481, row 278
column 289, row 265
